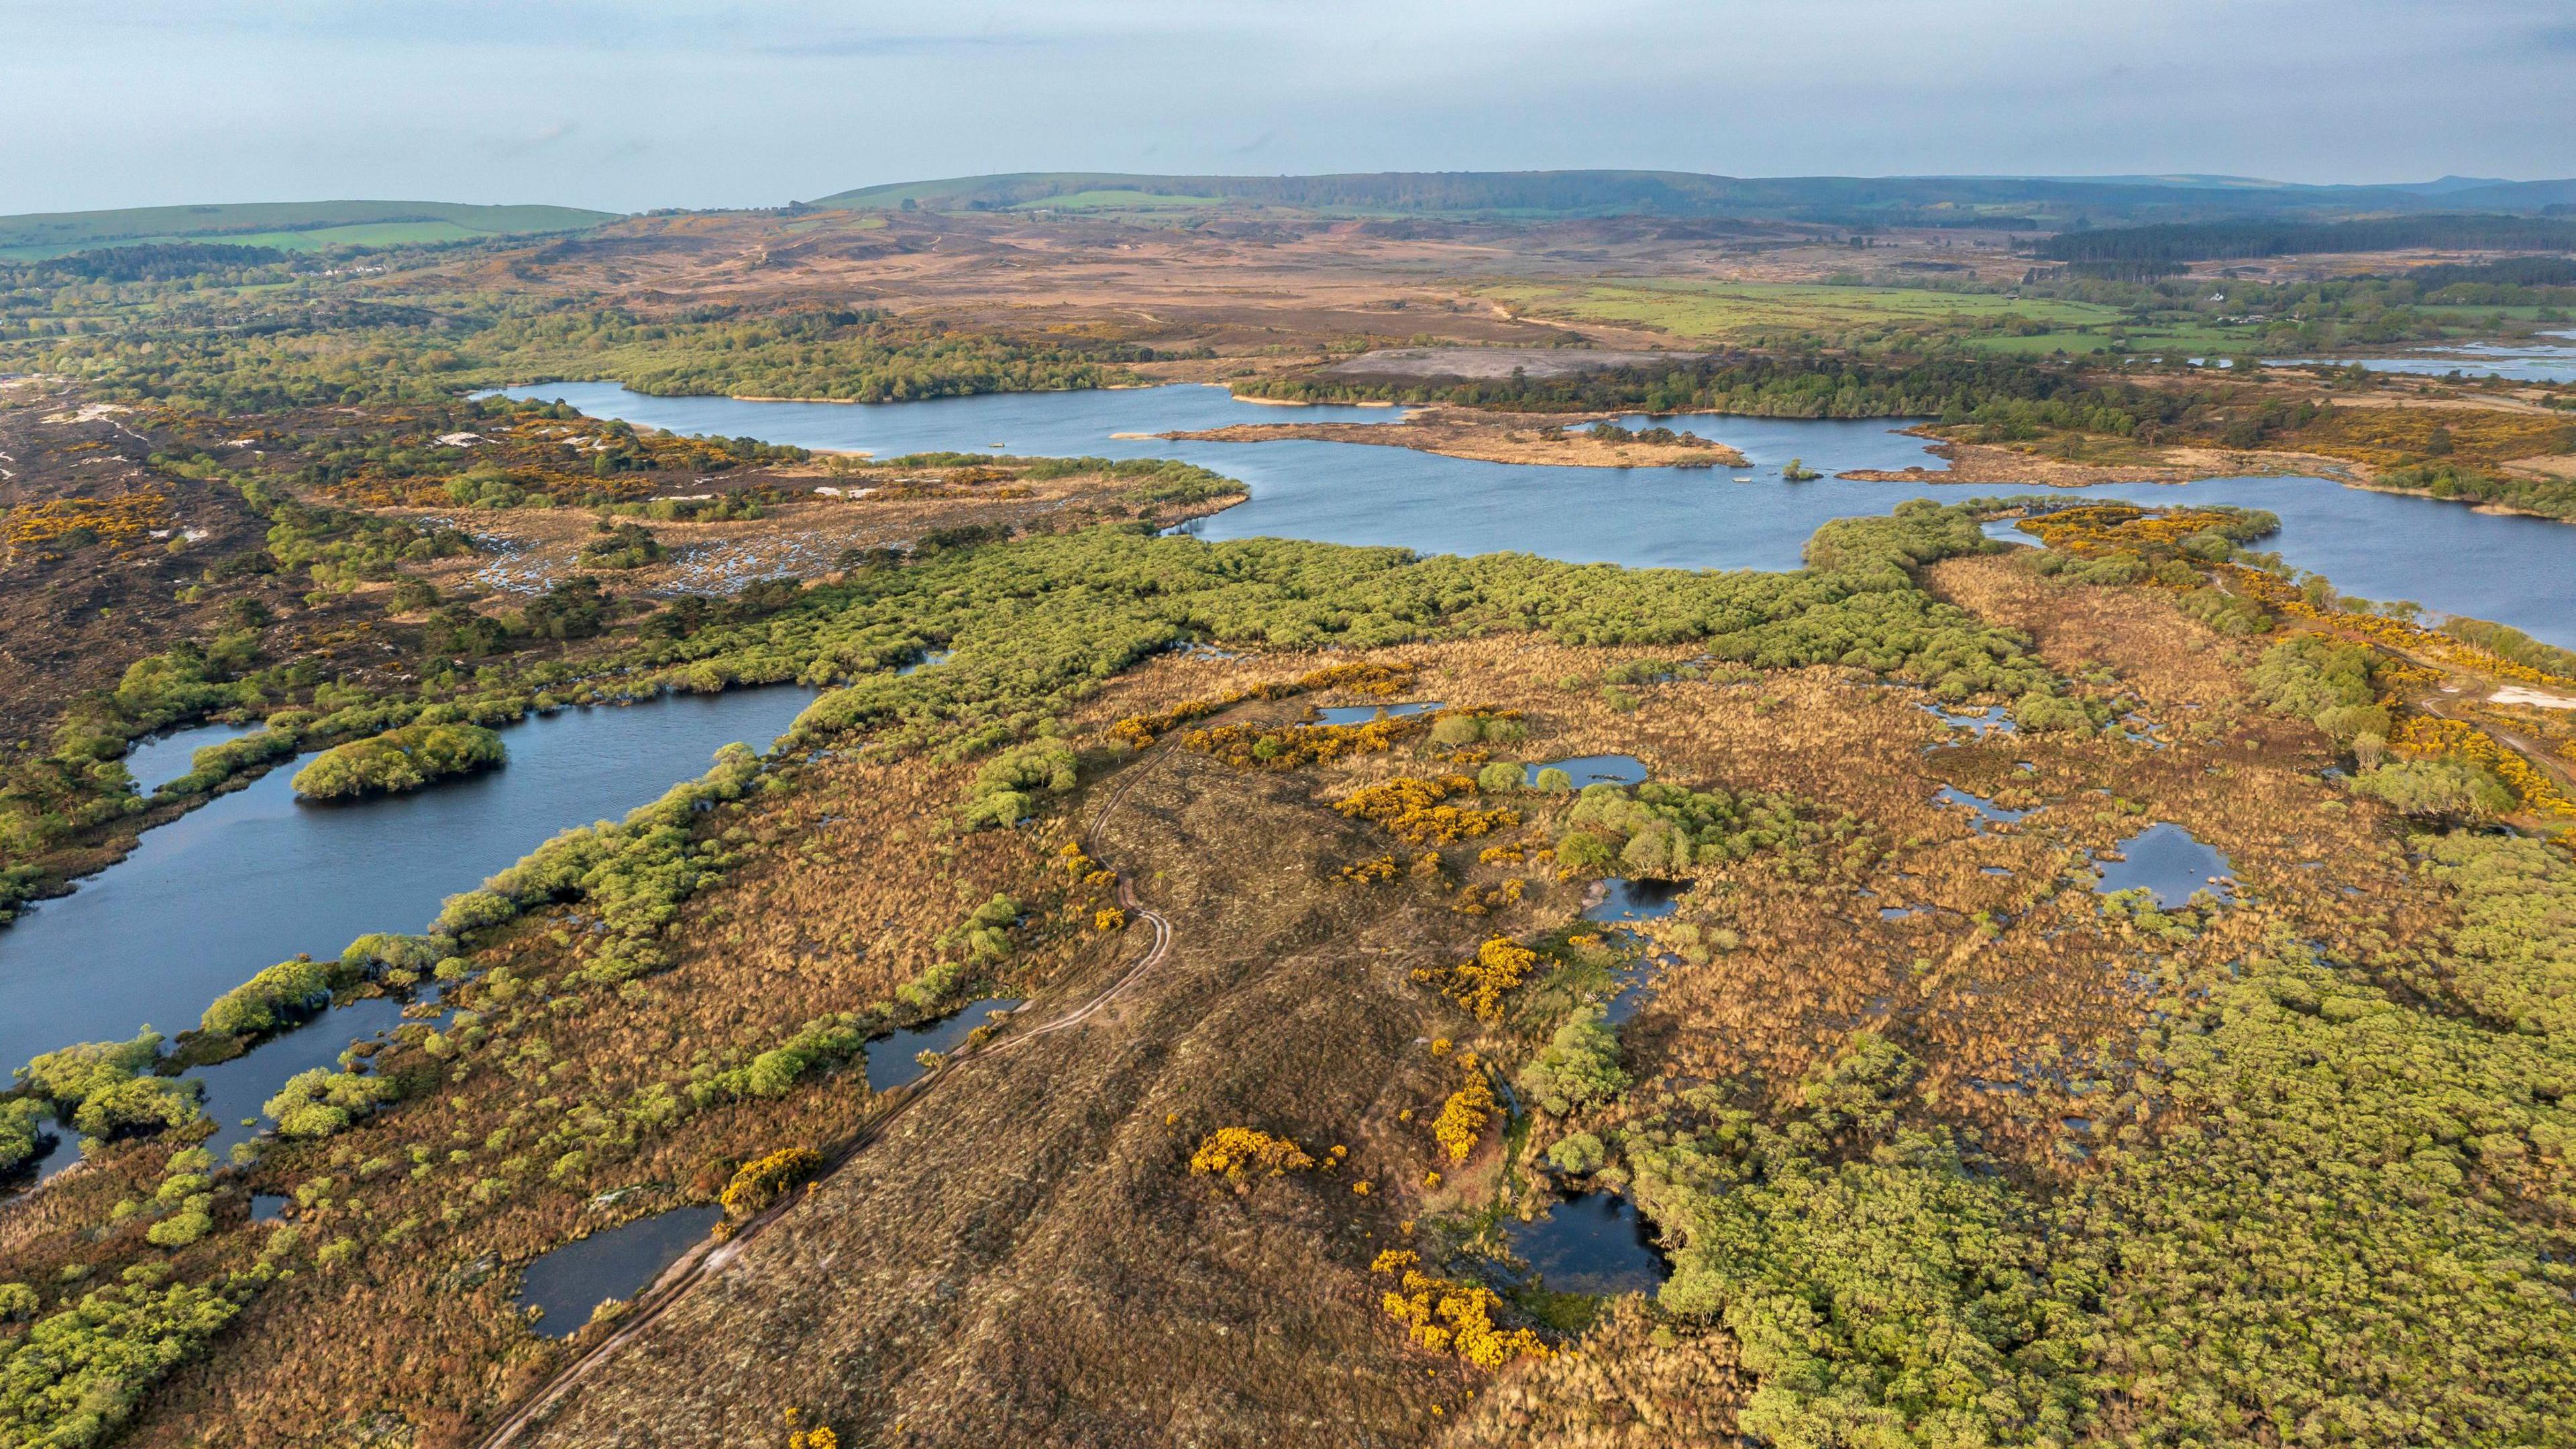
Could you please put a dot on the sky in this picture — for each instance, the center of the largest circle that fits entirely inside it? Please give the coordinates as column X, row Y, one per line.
column 696, row 104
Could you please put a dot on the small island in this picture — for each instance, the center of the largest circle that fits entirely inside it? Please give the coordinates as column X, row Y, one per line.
column 399, row 760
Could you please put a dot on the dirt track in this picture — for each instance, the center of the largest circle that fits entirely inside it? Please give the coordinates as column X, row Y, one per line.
column 712, row 1256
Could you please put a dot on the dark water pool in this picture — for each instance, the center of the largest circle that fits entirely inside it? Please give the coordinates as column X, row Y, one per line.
column 1594, row 1244
column 891, row 1061
column 1636, row 900
column 572, row 1281
column 2167, row 860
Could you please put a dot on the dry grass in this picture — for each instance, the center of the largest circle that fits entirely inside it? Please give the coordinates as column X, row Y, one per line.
column 1028, row 1259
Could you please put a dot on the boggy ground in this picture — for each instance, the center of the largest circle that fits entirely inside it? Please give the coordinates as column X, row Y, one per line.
column 1027, row 1261
column 94, row 549
column 817, row 517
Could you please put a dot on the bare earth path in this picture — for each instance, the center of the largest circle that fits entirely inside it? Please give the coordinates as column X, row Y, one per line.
column 711, row 1257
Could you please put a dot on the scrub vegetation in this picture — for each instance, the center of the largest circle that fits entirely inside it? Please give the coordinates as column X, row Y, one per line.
column 1940, row 1141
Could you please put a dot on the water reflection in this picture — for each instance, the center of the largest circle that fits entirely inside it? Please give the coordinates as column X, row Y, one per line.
column 157, row 761
column 1585, row 770
column 254, row 877
column 571, row 1282
column 1636, row 900
column 1351, row 714
column 2167, row 860
column 1594, row 1244
column 892, row 1059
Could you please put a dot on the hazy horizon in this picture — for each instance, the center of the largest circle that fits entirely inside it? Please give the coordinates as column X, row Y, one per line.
column 693, row 103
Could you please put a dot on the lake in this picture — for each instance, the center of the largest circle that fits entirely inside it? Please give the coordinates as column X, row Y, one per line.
column 2534, row 361
column 2382, row 546
column 253, row 877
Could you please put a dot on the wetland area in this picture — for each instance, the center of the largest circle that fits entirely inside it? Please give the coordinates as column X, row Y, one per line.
column 2379, row 545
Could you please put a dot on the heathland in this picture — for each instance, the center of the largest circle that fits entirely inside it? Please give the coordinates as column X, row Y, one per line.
column 2104, row 992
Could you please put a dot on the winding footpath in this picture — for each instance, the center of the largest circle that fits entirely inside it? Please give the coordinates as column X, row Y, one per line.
column 711, row 1257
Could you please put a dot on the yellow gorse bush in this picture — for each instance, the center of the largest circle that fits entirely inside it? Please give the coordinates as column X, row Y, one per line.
column 1236, row 1152
column 1412, row 810
column 763, row 1182
column 1451, row 1317
column 2425, row 736
column 116, row 523
column 1480, row 983
column 2275, row 593
column 1376, row 868
column 1462, row 1119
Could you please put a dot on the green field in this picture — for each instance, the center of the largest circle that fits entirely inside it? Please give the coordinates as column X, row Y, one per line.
column 1745, row 313
column 1741, row 311
column 291, row 225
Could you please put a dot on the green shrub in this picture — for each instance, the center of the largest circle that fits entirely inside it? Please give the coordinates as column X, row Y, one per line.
column 2307, row 674
column 1579, row 1067
column 321, row 1102
column 2436, row 790
column 1577, row 1154
column 102, row 1086
column 75, row 1378
column 399, row 760
column 278, row 995
column 1006, row 788
column 22, row 1124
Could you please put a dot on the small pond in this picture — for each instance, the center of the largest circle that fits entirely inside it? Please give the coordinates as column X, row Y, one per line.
column 2165, row 859
column 1351, row 714
column 1635, row 900
column 1594, row 1244
column 1593, row 770
column 236, row 1090
column 268, row 1207
column 1988, row 812
column 157, row 761
column 572, row 1281
column 891, row 1061
column 1993, row 719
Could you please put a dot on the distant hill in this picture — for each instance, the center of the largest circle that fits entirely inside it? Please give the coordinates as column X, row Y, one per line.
column 2236, row 240
column 287, row 225
column 2045, row 203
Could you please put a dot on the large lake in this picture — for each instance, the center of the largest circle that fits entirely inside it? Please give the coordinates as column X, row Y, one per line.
column 256, row 876
column 2520, row 571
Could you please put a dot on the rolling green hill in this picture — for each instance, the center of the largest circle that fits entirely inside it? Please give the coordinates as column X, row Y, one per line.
column 2042, row 203
column 288, row 225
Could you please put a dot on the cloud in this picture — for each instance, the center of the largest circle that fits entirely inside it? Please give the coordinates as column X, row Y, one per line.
column 726, row 102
